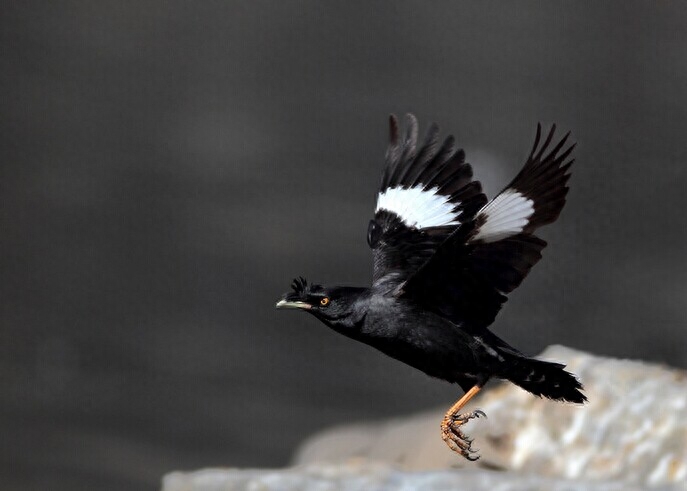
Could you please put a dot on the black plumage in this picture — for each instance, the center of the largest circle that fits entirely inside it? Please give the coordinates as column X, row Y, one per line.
column 444, row 260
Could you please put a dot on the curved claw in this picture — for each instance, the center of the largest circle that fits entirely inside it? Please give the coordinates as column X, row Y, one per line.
column 471, row 457
column 470, row 453
column 461, row 419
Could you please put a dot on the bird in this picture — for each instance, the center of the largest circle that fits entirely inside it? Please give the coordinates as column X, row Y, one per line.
column 444, row 260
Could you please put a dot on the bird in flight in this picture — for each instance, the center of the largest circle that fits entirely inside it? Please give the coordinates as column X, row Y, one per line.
column 444, row 260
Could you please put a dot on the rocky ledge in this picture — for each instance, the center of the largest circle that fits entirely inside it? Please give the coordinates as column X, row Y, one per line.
column 631, row 435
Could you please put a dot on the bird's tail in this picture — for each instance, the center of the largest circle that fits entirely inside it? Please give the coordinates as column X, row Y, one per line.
column 544, row 379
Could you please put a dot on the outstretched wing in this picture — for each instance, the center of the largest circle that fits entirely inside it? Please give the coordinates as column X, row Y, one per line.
column 468, row 277
column 426, row 192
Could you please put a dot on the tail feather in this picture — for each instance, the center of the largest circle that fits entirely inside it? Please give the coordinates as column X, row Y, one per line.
column 545, row 379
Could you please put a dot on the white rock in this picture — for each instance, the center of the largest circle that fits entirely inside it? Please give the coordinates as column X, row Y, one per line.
column 633, row 429
column 379, row 477
column 631, row 435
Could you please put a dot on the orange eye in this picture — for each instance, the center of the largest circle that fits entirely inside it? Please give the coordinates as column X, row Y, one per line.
column 324, row 302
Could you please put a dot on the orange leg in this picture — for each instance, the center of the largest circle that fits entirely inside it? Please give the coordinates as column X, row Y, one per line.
column 450, row 426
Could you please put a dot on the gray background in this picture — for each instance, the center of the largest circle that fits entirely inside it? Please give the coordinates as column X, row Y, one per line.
column 168, row 167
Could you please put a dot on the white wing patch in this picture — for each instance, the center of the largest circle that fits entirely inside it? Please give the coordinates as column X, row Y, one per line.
column 417, row 207
column 507, row 214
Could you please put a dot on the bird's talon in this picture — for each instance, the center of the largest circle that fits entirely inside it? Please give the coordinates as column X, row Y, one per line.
column 456, row 440
column 462, row 445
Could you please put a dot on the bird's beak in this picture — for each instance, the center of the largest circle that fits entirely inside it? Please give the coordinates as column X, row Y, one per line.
column 285, row 304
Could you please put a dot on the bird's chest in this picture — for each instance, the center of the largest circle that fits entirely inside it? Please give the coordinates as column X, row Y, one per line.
column 420, row 339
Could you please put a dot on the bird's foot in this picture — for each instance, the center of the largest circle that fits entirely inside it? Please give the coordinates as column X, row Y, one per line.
column 455, row 438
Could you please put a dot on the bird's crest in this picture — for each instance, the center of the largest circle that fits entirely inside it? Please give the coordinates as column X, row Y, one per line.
column 300, row 286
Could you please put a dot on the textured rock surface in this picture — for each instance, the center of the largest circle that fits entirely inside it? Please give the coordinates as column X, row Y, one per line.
column 379, row 477
column 634, row 428
column 631, row 435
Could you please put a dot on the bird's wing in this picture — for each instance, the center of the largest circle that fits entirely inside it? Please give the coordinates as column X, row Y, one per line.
column 426, row 192
column 468, row 277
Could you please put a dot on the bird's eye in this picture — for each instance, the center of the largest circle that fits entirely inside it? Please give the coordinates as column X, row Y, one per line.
column 324, row 302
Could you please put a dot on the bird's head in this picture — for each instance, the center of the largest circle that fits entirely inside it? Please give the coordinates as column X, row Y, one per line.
column 336, row 306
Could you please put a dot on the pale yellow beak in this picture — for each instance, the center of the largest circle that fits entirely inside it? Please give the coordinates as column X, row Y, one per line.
column 284, row 304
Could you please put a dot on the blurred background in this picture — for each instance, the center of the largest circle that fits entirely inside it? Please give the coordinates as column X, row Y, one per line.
column 167, row 167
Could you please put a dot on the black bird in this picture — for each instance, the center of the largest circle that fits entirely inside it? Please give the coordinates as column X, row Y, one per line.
column 444, row 260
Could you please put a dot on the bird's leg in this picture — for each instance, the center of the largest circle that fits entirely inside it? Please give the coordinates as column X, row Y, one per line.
column 453, row 420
